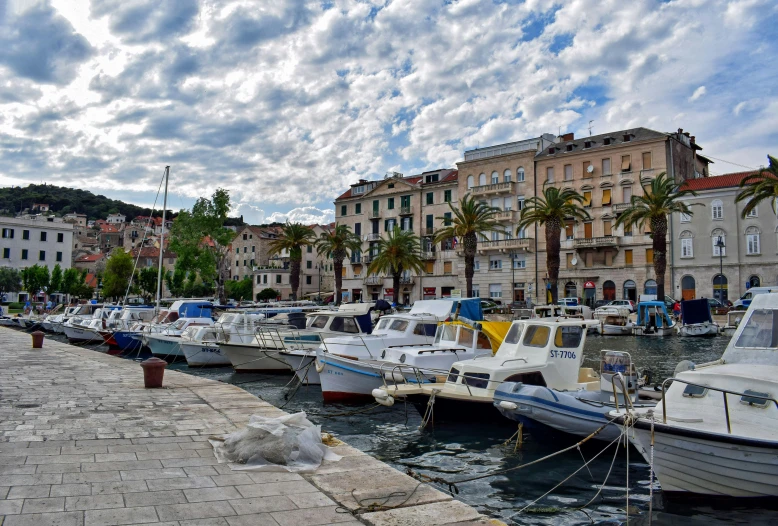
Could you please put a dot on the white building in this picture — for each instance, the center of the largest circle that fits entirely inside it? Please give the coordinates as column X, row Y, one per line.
column 116, row 219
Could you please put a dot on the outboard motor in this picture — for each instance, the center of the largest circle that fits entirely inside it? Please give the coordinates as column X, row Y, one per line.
column 613, row 363
column 296, row 319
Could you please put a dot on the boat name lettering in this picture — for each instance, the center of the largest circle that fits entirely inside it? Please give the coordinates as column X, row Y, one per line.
column 554, row 353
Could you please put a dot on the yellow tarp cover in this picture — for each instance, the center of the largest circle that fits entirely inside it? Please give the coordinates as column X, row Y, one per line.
column 494, row 330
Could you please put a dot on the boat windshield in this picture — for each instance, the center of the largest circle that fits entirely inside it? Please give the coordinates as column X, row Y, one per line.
column 318, row 322
column 760, row 330
column 536, row 336
column 226, row 319
column 446, row 333
column 466, row 337
column 190, row 332
column 179, row 324
column 344, row 324
column 514, row 334
column 392, row 324
column 568, row 337
column 425, row 329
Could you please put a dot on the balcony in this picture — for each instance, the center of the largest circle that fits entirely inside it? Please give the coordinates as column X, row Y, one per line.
column 428, row 254
column 497, row 188
column 596, row 242
column 407, row 280
column 357, row 260
column 373, row 236
column 620, row 208
column 374, row 214
column 374, row 280
column 368, row 258
column 406, row 210
column 505, row 215
column 429, row 231
column 506, row 245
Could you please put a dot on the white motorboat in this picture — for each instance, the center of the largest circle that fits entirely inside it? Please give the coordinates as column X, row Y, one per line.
column 614, row 321
column 83, row 310
column 539, row 351
column 653, row 320
column 734, row 317
column 696, row 319
column 715, row 431
column 263, row 350
column 563, row 310
column 165, row 343
column 200, row 345
column 86, row 329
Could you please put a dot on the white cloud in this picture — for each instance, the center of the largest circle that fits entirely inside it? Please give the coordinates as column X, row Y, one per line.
column 251, row 214
column 307, row 215
column 699, row 92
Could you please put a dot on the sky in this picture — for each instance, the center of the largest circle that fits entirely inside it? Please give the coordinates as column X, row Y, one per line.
column 286, row 103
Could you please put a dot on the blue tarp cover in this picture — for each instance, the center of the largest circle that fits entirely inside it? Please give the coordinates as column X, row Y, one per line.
column 649, row 306
column 194, row 309
column 695, row 311
column 471, row 309
column 365, row 323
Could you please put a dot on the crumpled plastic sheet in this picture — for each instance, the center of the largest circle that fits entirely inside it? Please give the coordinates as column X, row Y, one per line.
column 286, row 443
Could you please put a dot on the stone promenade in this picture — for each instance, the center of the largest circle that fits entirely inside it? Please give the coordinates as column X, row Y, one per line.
column 82, row 443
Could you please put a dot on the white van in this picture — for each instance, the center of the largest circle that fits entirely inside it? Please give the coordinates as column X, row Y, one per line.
column 745, row 300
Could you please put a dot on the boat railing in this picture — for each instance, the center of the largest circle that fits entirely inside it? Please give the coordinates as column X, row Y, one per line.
column 513, row 360
column 271, row 337
column 724, row 393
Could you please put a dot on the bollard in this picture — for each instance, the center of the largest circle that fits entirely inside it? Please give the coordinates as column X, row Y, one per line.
column 153, row 372
column 37, row 339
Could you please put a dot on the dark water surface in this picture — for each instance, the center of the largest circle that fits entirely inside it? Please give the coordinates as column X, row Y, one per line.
column 459, row 451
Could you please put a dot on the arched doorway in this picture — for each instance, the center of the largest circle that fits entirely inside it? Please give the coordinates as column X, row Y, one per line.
column 754, row 281
column 649, row 287
column 687, row 288
column 609, row 290
column 630, row 290
column 720, row 287
column 571, row 291
column 590, row 294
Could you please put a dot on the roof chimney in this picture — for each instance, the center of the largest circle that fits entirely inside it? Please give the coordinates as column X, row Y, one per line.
column 567, row 137
column 692, row 139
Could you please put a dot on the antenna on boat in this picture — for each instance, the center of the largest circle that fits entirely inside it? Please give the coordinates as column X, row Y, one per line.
column 162, row 240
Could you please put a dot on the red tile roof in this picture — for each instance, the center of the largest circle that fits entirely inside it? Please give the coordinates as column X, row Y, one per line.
column 91, row 280
column 107, row 228
column 90, row 258
column 716, row 181
column 416, row 179
column 151, row 252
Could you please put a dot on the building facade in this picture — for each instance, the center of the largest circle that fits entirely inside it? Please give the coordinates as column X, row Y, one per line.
column 503, row 176
column 717, row 253
column 250, row 248
column 597, row 259
column 417, row 204
column 25, row 242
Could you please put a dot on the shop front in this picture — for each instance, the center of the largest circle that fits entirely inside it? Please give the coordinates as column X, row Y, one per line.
column 430, row 293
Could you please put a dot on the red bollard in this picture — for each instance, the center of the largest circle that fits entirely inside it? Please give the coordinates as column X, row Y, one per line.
column 37, row 339
column 153, row 372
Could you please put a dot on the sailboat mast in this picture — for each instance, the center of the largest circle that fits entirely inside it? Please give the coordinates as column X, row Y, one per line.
column 162, row 239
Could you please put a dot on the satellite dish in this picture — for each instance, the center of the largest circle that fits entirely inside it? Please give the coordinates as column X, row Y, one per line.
column 590, row 168
column 574, row 261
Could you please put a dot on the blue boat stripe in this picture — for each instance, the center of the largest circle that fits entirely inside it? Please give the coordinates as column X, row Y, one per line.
column 352, row 369
column 599, row 416
column 552, row 394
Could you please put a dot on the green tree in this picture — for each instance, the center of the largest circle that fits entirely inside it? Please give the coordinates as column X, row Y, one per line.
column 759, row 187
column 35, row 279
column 146, row 281
column 470, row 220
column 118, row 272
column 71, row 279
column 10, row 280
column 240, row 290
column 175, row 281
column 662, row 198
column 267, row 295
column 551, row 209
column 398, row 252
column 55, row 283
column 294, row 236
column 201, row 241
column 338, row 244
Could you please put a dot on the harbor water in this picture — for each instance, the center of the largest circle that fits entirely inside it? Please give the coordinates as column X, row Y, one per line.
column 458, row 451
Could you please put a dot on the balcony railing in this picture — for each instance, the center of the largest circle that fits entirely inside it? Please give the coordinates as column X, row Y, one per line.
column 429, row 231
column 407, row 280
column 596, row 242
column 497, row 188
column 620, row 207
column 428, row 254
column 507, row 244
column 374, row 280
column 374, row 214
column 373, row 236
column 406, row 210
column 505, row 215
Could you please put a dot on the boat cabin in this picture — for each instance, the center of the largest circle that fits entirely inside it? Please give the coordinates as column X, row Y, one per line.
column 653, row 314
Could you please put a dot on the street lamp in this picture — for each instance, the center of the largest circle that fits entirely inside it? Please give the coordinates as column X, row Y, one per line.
column 513, row 276
column 720, row 245
column 319, row 297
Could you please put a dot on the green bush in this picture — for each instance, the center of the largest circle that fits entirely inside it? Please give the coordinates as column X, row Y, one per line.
column 16, row 305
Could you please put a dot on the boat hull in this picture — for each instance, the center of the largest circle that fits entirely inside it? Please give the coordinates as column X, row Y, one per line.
column 247, row 358
column 81, row 334
column 128, row 341
column 303, row 367
column 200, row 354
column 694, row 463
column 165, row 347
column 615, row 330
column 656, row 332
column 699, row 330
column 344, row 380
column 455, row 410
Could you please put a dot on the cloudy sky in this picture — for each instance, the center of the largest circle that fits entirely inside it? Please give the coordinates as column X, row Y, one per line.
column 286, row 102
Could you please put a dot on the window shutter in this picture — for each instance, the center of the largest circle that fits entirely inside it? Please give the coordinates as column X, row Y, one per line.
column 626, row 163
column 606, row 197
column 628, row 257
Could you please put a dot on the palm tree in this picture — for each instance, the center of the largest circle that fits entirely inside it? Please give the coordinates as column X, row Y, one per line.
column 337, row 243
column 662, row 198
column 760, row 186
column 395, row 254
column 471, row 220
column 551, row 208
column 294, row 236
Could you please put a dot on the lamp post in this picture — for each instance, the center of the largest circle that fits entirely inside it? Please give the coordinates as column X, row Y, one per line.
column 319, row 296
column 720, row 245
column 513, row 276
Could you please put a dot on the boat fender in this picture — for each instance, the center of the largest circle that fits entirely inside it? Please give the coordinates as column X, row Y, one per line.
column 382, row 397
column 319, row 366
column 388, row 401
column 516, row 387
column 510, row 406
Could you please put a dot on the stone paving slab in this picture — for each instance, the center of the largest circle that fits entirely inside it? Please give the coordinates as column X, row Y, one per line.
column 82, row 443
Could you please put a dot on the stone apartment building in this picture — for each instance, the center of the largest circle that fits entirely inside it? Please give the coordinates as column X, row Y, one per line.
column 598, row 260
column 372, row 208
column 26, row 242
column 249, row 250
column 749, row 257
column 503, row 176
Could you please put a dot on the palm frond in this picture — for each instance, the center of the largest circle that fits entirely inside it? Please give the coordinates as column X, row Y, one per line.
column 470, row 217
column 397, row 252
column 759, row 187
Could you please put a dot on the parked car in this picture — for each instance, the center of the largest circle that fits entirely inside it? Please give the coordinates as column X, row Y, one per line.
column 488, row 306
column 716, row 307
column 601, row 303
column 624, row 303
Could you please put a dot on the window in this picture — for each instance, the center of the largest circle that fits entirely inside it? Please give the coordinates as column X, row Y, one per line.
column 507, row 204
column 568, row 172
column 647, row 161
column 569, row 231
column 6, row 253
column 522, row 233
column 520, row 174
column 506, row 176
column 476, row 291
column 607, row 228
column 717, row 209
column 495, row 178
column 447, row 267
column 405, row 203
column 758, row 331
column 309, row 264
column 586, row 173
column 588, row 230
column 470, row 181
column 495, row 290
column 446, row 218
column 628, row 230
column 254, row 248
column 307, row 280
column 520, row 203
column 358, row 190
column 569, row 258
column 60, row 237
column 429, row 267
column 278, row 277
column 25, row 234
column 550, row 174
column 24, row 253
column 245, row 249
column 357, row 231
column 447, row 196
column 649, row 256
column 495, row 263
column 358, row 208
column 245, row 236
column 536, row 336
column 628, row 257
column 264, row 278
column 406, row 224
column 476, row 264
column 568, row 337
column 685, row 218
column 390, row 203
column 715, row 236
column 626, row 163
column 42, row 255
column 753, row 213
column 343, row 210
column 687, row 248
column 389, row 224
column 519, row 262
column 606, row 197
column 606, row 166
column 587, row 195
column 752, row 241
column 432, row 178
column 59, row 256
column 430, row 198
column 8, row 233
column 482, row 179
